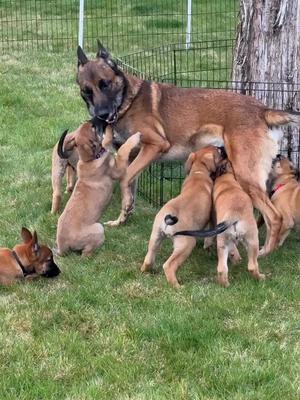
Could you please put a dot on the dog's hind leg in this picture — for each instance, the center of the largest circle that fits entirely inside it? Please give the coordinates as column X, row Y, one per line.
column 251, row 159
column 252, row 245
column 182, row 248
column 223, row 251
column 155, row 240
column 94, row 237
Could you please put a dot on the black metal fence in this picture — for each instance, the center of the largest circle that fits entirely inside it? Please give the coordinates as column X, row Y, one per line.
column 122, row 25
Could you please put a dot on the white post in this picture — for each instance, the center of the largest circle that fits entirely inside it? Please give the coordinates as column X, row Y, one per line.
column 80, row 27
column 189, row 24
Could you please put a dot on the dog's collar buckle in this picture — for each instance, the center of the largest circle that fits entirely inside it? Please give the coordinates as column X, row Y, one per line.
column 277, row 187
column 100, row 154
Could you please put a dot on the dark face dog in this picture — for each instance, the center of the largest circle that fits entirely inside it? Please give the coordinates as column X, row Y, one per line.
column 102, row 84
column 38, row 256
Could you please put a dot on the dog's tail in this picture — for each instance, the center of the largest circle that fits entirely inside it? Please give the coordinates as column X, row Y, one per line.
column 221, row 227
column 60, row 146
column 171, row 219
column 280, row 117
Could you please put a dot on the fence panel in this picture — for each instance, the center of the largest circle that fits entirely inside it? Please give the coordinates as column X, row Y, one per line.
column 122, row 25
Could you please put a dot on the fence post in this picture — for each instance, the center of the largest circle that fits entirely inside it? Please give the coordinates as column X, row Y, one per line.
column 80, row 27
column 189, row 24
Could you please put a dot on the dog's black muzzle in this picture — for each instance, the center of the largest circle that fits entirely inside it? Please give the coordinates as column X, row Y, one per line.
column 107, row 115
column 52, row 270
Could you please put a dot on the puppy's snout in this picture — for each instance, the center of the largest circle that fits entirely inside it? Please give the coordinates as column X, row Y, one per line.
column 52, row 270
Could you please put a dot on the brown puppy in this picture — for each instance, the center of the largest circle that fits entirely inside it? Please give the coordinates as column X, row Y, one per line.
column 232, row 203
column 77, row 227
column 27, row 260
column 191, row 209
column 285, row 195
column 60, row 166
column 176, row 121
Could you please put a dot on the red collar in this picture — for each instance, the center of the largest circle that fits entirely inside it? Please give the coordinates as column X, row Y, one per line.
column 277, row 187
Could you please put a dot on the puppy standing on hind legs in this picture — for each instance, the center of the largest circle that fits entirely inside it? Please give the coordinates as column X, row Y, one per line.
column 78, row 227
column 191, row 209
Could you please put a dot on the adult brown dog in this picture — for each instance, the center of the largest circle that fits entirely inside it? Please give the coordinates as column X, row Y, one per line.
column 78, row 227
column 190, row 210
column 27, row 260
column 60, row 167
column 176, row 121
column 285, row 195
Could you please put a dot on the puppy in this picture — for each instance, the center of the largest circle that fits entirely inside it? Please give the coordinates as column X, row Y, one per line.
column 232, row 204
column 77, row 227
column 61, row 166
column 285, row 195
column 27, row 260
column 191, row 209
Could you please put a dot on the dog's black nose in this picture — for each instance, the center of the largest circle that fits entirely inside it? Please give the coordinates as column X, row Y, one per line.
column 52, row 271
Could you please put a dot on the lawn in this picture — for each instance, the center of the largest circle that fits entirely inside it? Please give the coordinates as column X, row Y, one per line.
column 102, row 330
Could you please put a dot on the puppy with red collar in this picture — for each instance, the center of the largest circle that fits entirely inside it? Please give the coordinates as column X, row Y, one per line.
column 285, row 195
column 26, row 260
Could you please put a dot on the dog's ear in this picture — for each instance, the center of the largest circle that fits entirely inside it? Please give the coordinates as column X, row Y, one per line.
column 82, row 58
column 26, row 235
column 102, row 52
column 189, row 162
column 35, row 244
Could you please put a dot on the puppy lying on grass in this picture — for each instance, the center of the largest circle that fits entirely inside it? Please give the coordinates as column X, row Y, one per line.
column 27, row 260
column 190, row 210
column 78, row 227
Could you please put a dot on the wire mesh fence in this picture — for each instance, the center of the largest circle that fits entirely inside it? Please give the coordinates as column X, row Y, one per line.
column 122, row 25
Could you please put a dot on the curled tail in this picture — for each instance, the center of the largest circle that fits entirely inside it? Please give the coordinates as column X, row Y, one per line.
column 208, row 232
column 60, row 150
column 171, row 219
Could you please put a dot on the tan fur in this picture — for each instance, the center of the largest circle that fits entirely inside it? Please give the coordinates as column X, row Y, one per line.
column 233, row 204
column 178, row 121
column 287, row 198
column 192, row 208
column 78, row 227
column 36, row 258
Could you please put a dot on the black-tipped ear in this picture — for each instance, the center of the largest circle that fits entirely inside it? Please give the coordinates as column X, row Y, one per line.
column 35, row 244
column 102, row 52
column 26, row 235
column 82, row 58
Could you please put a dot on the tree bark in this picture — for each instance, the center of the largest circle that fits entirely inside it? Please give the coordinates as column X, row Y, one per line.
column 268, row 50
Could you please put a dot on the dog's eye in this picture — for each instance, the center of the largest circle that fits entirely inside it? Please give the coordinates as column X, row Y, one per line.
column 103, row 84
column 87, row 92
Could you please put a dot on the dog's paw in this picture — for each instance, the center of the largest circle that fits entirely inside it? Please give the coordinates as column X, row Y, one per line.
column 116, row 222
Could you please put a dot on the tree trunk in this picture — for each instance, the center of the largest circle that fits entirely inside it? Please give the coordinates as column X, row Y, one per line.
column 268, row 50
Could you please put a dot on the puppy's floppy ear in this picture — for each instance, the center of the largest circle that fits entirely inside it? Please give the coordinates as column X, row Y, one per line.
column 82, row 58
column 189, row 162
column 26, row 235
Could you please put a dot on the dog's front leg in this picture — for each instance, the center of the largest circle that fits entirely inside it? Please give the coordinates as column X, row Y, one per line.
column 147, row 154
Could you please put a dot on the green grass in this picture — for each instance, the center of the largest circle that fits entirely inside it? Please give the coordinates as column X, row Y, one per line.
column 101, row 330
